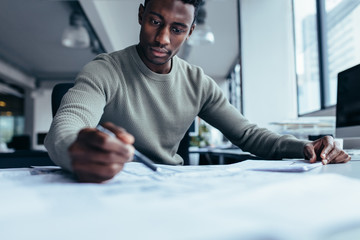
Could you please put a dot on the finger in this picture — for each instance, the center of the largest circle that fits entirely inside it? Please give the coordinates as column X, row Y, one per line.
column 341, row 157
column 94, row 172
column 328, row 145
column 82, row 153
column 309, row 153
column 120, row 133
column 347, row 159
column 333, row 154
column 99, row 140
column 344, row 159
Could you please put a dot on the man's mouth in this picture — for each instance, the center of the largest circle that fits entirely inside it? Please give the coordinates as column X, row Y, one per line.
column 159, row 52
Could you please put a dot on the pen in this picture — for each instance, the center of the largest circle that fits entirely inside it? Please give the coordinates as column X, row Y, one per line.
column 138, row 156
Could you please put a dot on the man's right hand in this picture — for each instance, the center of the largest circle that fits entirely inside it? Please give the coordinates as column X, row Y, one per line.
column 97, row 157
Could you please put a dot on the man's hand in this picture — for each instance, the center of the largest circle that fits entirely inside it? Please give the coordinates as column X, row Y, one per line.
column 97, row 157
column 327, row 150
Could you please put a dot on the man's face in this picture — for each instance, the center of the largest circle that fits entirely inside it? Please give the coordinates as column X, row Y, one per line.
column 165, row 25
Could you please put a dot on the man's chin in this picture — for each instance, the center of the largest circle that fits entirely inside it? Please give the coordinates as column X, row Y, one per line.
column 159, row 61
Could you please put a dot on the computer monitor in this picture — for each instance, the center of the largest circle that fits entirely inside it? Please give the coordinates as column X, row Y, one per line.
column 348, row 107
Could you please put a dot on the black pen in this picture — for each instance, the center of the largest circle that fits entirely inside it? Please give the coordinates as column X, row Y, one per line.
column 138, row 156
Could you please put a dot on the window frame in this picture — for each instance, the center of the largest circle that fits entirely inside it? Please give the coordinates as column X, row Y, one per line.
column 323, row 60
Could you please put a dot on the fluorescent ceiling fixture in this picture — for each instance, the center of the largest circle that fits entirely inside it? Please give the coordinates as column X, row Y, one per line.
column 202, row 35
column 76, row 35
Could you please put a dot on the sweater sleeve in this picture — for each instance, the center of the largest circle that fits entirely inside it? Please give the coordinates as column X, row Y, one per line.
column 262, row 142
column 82, row 106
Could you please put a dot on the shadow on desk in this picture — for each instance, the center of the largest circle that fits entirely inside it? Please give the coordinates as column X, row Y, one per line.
column 215, row 159
column 215, row 156
column 28, row 158
column 24, row 159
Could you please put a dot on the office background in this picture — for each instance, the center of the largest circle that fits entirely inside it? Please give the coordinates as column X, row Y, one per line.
column 287, row 67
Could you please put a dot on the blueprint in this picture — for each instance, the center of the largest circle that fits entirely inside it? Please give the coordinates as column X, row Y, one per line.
column 183, row 202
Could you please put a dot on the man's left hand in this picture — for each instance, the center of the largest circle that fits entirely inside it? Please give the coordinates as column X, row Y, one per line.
column 327, row 150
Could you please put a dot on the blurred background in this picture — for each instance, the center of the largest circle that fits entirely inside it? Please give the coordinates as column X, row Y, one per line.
column 276, row 60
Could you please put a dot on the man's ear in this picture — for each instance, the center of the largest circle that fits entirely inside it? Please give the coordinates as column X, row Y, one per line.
column 191, row 31
column 141, row 13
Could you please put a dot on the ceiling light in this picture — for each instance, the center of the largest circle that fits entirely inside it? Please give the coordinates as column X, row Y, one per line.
column 76, row 34
column 202, row 34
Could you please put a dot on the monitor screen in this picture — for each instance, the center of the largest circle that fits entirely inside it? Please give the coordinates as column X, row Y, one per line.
column 348, row 103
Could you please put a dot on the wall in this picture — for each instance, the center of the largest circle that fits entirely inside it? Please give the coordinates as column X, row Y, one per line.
column 116, row 22
column 38, row 113
column 268, row 65
column 42, row 114
column 14, row 76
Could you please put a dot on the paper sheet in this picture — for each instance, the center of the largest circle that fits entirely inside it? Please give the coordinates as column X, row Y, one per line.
column 187, row 202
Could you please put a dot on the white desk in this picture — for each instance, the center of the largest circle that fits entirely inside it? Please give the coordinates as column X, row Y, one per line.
column 189, row 202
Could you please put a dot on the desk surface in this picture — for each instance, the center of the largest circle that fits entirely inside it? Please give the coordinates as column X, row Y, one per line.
column 186, row 202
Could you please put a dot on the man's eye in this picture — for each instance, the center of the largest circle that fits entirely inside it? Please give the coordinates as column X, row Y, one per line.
column 155, row 22
column 177, row 30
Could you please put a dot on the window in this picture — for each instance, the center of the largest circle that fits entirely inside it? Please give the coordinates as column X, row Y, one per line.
column 307, row 58
column 327, row 37
column 11, row 115
column 343, row 38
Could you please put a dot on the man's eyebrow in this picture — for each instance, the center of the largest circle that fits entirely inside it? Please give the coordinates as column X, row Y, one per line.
column 181, row 24
column 162, row 18
column 159, row 15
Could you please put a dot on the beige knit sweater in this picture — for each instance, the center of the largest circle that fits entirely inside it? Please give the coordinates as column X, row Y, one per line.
column 156, row 108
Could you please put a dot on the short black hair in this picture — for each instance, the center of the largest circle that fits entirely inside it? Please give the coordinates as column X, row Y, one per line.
column 195, row 3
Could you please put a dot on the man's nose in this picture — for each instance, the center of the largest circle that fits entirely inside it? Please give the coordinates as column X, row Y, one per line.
column 163, row 36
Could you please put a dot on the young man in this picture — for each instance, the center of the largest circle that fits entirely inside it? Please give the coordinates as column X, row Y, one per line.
column 154, row 96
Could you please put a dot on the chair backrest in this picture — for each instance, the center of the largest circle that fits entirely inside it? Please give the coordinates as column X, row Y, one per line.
column 183, row 149
column 57, row 94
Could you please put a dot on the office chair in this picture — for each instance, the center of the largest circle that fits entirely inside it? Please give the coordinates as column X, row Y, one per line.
column 59, row 91
column 57, row 94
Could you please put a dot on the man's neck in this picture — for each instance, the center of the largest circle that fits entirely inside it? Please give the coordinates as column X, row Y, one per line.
column 160, row 69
